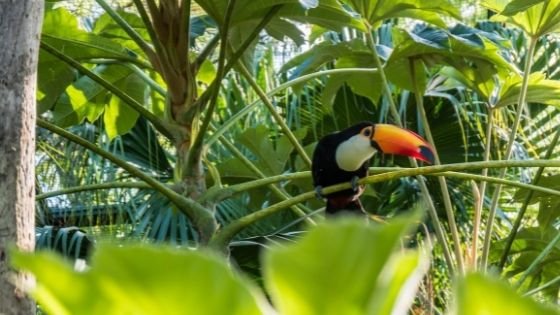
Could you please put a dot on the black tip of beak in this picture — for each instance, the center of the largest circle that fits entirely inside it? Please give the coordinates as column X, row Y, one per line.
column 427, row 153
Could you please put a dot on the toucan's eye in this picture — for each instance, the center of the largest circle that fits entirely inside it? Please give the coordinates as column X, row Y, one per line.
column 367, row 132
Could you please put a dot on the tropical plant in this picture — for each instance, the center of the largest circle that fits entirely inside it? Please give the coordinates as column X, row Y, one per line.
column 186, row 122
column 337, row 268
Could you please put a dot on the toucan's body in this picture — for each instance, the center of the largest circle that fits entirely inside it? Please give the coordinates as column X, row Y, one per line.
column 344, row 156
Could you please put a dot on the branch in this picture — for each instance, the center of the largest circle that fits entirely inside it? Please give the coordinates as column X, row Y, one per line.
column 76, row 189
column 520, row 106
column 195, row 151
column 127, row 28
column 234, row 58
column 279, row 120
column 221, row 238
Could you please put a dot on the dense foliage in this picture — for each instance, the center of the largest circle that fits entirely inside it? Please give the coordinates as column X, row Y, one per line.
column 192, row 123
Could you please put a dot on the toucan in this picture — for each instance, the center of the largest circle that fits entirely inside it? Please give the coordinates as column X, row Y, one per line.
column 344, row 157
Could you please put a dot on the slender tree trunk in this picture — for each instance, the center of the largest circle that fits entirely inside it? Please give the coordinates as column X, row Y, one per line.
column 20, row 26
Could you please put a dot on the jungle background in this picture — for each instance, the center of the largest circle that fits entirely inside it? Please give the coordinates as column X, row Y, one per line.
column 189, row 124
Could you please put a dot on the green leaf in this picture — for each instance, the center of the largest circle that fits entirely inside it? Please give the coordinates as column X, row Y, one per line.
column 399, row 283
column 377, row 11
column 337, row 269
column 536, row 18
column 119, row 118
column 61, row 30
column 517, row 6
column 53, row 78
column 85, row 98
column 270, row 156
column 540, row 90
column 140, row 280
column 480, row 295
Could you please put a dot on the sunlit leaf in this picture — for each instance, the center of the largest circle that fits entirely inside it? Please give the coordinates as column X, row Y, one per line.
column 119, row 117
column 375, row 12
column 536, row 18
column 336, row 268
column 141, row 280
column 480, row 295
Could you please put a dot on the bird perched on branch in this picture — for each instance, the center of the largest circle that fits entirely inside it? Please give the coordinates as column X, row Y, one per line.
column 344, row 156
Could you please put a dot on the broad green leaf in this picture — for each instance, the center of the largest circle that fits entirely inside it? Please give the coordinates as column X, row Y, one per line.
column 325, row 13
column 336, row 268
column 271, row 158
column 141, row 280
column 352, row 54
column 474, row 56
column 480, row 295
column 377, row 11
column 540, row 90
column 517, row 6
column 527, row 246
column 119, row 118
column 54, row 77
column 85, row 98
column 61, row 30
column 536, row 18
column 106, row 27
column 206, row 73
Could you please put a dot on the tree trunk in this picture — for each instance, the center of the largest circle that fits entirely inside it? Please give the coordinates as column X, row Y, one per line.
column 20, row 26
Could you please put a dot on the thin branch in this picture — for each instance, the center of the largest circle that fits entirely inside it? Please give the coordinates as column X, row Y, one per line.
column 442, row 182
column 148, row 50
column 277, row 118
column 496, row 195
column 77, row 189
column 160, row 52
column 482, row 189
column 156, row 121
column 195, row 150
column 228, row 232
column 235, row 57
column 440, row 233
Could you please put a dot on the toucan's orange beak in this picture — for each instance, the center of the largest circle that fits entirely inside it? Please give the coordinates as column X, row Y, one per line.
column 394, row 140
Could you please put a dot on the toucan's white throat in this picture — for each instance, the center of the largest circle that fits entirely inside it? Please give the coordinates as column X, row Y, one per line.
column 352, row 153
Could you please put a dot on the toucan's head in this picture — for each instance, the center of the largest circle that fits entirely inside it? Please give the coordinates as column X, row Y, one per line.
column 361, row 141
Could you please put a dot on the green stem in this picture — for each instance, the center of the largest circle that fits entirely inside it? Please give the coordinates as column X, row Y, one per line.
column 482, row 189
column 277, row 118
column 247, row 109
column 206, row 51
column 160, row 53
column 109, row 185
column 509, row 149
column 201, row 217
column 195, row 151
column 235, row 57
column 156, row 122
column 441, row 236
column 521, row 214
column 239, row 188
column 139, row 72
column 229, row 231
column 127, row 28
column 442, row 182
